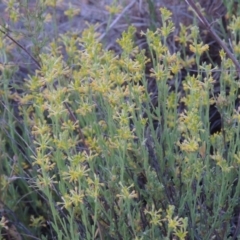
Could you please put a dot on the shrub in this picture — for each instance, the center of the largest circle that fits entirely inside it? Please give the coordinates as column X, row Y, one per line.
column 87, row 155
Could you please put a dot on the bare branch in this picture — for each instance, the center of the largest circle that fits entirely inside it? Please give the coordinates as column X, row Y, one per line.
column 206, row 24
column 23, row 48
column 129, row 6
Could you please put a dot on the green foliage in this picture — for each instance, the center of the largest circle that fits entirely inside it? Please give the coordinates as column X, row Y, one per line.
column 81, row 157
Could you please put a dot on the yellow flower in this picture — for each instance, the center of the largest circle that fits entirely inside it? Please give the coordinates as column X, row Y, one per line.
column 199, row 49
column 37, row 221
column 221, row 162
column 125, row 194
column 75, row 198
column 94, row 187
column 189, row 145
column 71, row 12
column 45, row 181
column 75, row 173
column 114, row 9
column 156, row 216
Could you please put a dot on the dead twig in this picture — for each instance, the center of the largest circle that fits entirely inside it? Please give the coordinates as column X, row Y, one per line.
column 129, row 6
column 19, row 45
column 207, row 25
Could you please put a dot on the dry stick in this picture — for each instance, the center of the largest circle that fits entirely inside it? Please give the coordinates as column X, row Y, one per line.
column 24, row 49
column 214, row 35
column 72, row 116
column 117, row 19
